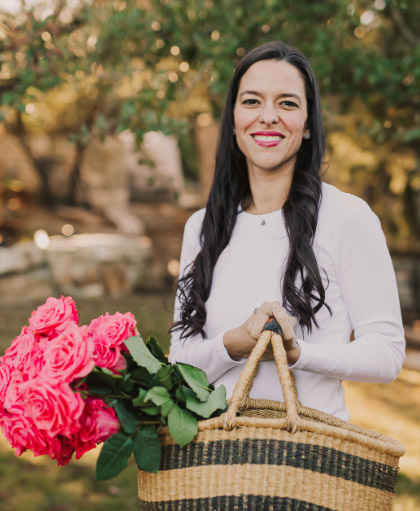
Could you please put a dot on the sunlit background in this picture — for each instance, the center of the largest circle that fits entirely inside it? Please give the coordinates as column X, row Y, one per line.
column 109, row 116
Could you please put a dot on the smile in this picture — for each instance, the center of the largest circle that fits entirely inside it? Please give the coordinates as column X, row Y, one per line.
column 267, row 139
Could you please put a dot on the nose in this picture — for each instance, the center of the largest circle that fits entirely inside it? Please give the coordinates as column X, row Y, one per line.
column 268, row 114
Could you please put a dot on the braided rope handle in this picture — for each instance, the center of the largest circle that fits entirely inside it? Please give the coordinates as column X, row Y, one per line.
column 246, row 379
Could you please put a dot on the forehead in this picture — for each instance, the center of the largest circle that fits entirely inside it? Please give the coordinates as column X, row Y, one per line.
column 276, row 76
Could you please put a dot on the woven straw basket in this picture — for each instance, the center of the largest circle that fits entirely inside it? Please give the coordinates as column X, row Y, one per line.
column 265, row 455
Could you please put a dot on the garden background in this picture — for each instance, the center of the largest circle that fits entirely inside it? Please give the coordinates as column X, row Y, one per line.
column 109, row 115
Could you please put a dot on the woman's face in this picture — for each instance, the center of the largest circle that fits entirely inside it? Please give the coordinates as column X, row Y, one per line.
column 270, row 116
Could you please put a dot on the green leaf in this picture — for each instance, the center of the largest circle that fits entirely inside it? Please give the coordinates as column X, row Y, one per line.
column 107, row 371
column 142, row 375
column 161, row 397
column 147, row 449
column 128, row 384
column 154, row 347
column 114, row 456
column 158, row 395
column 140, row 353
column 164, row 377
column 127, row 419
column 166, row 408
column 196, row 379
column 100, row 383
column 179, row 393
column 141, row 398
column 151, row 410
column 182, row 425
column 216, row 401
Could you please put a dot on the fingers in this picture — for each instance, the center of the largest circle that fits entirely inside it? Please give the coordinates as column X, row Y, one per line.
column 286, row 322
column 259, row 319
column 255, row 323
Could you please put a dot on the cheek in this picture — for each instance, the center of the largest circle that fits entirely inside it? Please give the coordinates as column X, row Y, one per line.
column 242, row 119
column 296, row 124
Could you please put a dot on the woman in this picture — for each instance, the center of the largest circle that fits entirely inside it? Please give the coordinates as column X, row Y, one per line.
column 275, row 240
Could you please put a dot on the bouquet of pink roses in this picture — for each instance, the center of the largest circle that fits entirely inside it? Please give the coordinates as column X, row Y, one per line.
column 64, row 388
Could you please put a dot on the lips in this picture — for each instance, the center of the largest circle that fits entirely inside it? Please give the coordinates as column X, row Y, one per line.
column 267, row 138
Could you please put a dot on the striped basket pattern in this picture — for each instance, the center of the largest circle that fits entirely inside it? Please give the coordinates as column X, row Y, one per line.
column 265, row 455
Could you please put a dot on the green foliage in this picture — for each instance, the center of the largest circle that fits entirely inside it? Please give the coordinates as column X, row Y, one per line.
column 114, row 456
column 148, row 394
column 155, row 349
column 142, row 356
column 147, row 449
column 182, row 425
column 156, row 65
column 369, row 47
column 100, row 383
column 126, row 417
column 196, row 379
column 216, row 401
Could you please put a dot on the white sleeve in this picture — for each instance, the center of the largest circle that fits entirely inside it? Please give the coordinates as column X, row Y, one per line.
column 210, row 355
column 369, row 290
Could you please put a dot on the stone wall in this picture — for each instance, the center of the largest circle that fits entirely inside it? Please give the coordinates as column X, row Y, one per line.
column 82, row 266
column 94, row 265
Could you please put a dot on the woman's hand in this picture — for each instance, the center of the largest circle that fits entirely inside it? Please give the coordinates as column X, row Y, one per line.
column 240, row 341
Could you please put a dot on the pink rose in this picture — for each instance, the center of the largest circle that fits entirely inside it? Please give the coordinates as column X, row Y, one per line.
column 109, row 333
column 32, row 365
column 53, row 407
column 22, row 433
column 119, row 365
column 63, row 450
column 107, row 423
column 20, row 350
column 5, row 377
column 105, row 355
column 97, row 423
column 53, row 317
column 68, row 356
column 13, row 393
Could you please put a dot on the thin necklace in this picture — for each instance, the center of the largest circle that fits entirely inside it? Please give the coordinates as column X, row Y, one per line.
column 261, row 218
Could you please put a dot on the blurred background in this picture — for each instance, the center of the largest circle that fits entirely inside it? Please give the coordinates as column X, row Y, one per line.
column 109, row 115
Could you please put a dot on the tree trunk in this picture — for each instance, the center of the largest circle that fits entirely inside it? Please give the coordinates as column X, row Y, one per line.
column 74, row 182
column 41, row 166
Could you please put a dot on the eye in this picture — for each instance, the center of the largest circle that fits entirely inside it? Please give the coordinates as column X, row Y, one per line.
column 289, row 103
column 250, row 101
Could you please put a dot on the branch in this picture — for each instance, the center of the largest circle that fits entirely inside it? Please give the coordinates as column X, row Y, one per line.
column 408, row 35
column 9, row 84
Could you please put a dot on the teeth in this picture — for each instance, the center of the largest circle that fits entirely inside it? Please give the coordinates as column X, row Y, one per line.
column 267, row 138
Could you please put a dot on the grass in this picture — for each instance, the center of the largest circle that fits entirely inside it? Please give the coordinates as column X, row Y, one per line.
column 38, row 484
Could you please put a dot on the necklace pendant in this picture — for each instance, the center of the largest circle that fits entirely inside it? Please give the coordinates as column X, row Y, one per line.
column 262, row 222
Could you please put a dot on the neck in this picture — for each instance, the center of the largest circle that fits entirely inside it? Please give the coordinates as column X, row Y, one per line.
column 269, row 190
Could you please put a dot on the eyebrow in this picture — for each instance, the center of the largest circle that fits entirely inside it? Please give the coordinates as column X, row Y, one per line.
column 282, row 95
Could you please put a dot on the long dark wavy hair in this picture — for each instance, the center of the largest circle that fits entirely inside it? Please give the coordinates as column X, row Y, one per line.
column 303, row 292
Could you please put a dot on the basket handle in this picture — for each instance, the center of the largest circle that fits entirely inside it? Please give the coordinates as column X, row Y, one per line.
column 271, row 333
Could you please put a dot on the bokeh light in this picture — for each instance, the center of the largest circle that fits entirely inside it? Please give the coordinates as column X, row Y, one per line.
column 67, row 229
column 41, row 239
column 184, row 66
column 173, row 267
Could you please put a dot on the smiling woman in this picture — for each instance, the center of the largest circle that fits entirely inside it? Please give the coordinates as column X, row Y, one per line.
column 276, row 240
column 270, row 112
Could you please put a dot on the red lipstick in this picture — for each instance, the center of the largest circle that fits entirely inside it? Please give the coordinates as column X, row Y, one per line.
column 267, row 138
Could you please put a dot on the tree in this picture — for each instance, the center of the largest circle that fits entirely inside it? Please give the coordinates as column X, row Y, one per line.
column 157, row 64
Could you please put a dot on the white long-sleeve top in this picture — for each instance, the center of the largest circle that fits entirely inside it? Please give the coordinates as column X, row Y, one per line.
column 361, row 291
